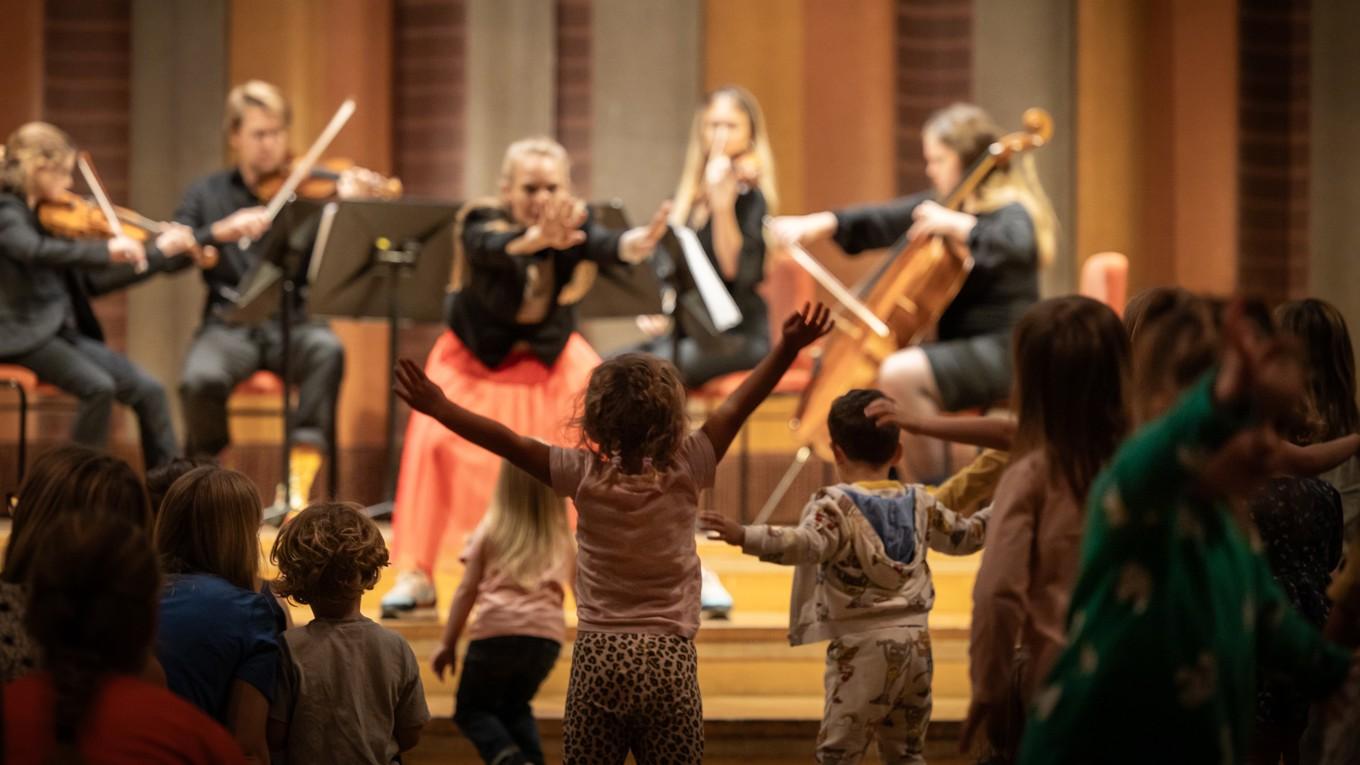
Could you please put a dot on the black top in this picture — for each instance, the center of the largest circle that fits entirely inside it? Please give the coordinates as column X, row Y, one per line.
column 482, row 314
column 1299, row 520
column 750, row 210
column 45, row 281
column 207, row 201
column 1004, row 281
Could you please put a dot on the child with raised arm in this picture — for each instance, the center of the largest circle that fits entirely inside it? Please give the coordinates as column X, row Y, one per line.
column 636, row 484
column 863, row 583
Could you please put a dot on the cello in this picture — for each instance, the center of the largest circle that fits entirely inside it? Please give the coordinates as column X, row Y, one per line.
column 903, row 299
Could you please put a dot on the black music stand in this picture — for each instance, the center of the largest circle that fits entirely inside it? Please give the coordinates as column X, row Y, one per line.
column 274, row 287
column 383, row 260
column 621, row 293
column 687, row 309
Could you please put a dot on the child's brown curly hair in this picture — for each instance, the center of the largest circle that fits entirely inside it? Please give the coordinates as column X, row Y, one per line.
column 330, row 553
column 634, row 409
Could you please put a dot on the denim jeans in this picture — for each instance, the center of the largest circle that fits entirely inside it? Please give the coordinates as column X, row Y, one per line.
column 500, row 677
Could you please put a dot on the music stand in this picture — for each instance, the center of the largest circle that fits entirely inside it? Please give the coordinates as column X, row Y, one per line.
column 383, row 260
column 622, row 291
column 271, row 288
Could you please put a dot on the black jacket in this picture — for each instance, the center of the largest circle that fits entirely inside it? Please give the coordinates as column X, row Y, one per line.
column 1004, row 281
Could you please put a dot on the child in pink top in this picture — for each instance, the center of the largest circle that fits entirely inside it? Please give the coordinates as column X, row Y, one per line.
column 515, row 569
column 634, row 673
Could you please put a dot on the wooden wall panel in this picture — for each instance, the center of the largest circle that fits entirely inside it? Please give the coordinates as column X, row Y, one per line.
column 21, row 66
column 1274, row 147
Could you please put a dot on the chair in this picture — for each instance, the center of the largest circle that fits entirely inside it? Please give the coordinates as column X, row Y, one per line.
column 33, row 396
column 1105, row 277
column 261, row 395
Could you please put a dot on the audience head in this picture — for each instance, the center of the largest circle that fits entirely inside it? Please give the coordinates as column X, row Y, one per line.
column 1071, row 383
column 1175, row 341
column 160, row 478
column 209, row 523
column 634, row 409
column 92, row 609
column 526, row 527
column 1329, row 364
column 328, row 556
column 70, row 480
column 856, row 437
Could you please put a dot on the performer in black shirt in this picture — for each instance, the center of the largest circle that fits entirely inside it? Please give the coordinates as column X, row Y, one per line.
column 46, row 321
column 1009, row 227
column 222, row 209
column 725, row 191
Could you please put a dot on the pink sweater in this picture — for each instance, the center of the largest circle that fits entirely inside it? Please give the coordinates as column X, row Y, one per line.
column 1025, row 581
column 506, row 608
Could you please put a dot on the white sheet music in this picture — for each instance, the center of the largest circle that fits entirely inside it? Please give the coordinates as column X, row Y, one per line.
column 721, row 307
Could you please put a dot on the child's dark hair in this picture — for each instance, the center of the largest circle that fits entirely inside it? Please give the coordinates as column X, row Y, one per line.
column 1174, row 341
column 70, row 480
column 329, row 554
column 92, row 598
column 1071, row 380
column 634, row 409
column 1329, row 364
column 160, row 478
column 858, row 436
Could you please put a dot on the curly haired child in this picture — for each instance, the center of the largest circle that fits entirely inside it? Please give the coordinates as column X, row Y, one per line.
column 349, row 690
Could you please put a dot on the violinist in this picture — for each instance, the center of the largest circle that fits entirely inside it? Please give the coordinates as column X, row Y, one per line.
column 1008, row 226
column 222, row 209
column 725, row 191
column 46, row 322
column 512, row 353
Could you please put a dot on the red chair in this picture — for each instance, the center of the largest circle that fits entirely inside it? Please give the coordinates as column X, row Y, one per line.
column 1105, row 277
column 33, row 396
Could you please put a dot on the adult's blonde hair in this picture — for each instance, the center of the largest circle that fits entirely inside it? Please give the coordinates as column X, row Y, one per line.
column 209, row 523
column 525, row 530
column 535, row 146
column 32, row 147
column 691, row 184
column 259, row 94
column 968, row 130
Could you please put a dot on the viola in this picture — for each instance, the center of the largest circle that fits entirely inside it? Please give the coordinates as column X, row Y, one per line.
column 327, row 178
column 904, row 299
column 75, row 217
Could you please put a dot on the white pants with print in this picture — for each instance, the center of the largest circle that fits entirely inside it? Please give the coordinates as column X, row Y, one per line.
column 877, row 686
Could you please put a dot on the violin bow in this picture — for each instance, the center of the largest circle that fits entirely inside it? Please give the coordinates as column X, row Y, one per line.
column 303, row 167
column 86, row 166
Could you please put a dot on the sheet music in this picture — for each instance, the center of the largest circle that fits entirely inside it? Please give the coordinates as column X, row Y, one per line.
column 721, row 307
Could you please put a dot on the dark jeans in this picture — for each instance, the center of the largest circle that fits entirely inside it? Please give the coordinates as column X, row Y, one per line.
column 222, row 356
column 500, row 677
column 98, row 375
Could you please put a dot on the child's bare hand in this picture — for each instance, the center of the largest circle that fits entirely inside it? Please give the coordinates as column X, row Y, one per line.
column 807, row 325
column 1266, row 370
column 721, row 527
column 417, row 390
column 446, row 659
column 884, row 411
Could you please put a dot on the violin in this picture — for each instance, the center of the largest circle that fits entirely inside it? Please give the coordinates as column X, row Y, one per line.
column 327, row 178
column 905, row 297
column 75, row 217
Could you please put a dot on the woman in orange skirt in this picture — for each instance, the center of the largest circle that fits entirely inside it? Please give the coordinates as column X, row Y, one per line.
column 512, row 353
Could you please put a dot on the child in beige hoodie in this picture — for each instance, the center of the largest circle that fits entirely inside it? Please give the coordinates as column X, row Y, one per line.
column 863, row 583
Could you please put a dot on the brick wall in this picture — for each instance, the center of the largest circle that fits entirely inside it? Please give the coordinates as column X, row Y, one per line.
column 934, row 63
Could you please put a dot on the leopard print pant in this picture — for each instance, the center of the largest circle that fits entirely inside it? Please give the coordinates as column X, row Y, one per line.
column 633, row 692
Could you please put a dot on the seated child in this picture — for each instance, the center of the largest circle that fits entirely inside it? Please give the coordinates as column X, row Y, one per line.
column 349, row 690
column 862, row 582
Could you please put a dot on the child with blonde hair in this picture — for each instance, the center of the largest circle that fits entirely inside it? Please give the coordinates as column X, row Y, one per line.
column 515, row 569
column 349, row 690
column 634, row 673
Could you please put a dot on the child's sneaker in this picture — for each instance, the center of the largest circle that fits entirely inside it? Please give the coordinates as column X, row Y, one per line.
column 413, row 592
column 714, row 599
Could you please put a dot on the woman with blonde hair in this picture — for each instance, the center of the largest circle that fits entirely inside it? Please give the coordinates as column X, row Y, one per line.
column 516, row 567
column 218, row 637
column 521, row 262
column 1009, row 227
column 725, row 191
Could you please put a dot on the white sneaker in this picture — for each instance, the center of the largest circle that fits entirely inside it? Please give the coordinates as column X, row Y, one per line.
column 714, row 599
column 413, row 592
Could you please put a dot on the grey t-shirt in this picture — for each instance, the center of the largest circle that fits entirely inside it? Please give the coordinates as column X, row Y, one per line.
column 346, row 687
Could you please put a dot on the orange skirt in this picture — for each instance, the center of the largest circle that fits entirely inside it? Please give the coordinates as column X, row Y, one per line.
column 446, row 482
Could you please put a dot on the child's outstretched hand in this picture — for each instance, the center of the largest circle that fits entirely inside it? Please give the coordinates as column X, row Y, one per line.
column 884, row 411
column 807, row 325
column 416, row 389
column 721, row 527
column 445, row 660
column 1265, row 370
